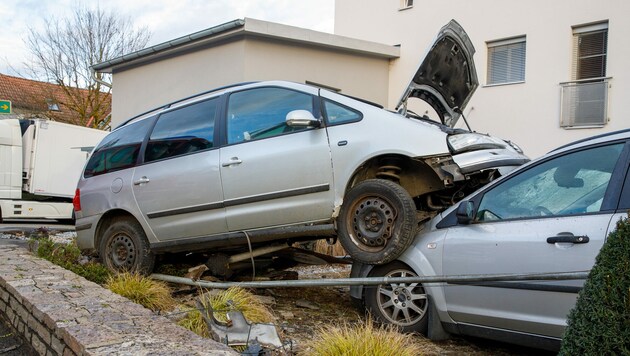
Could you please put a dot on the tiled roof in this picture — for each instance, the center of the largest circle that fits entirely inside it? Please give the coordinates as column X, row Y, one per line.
column 31, row 97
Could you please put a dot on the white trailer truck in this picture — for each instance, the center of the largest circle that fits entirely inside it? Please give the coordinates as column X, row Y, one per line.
column 40, row 164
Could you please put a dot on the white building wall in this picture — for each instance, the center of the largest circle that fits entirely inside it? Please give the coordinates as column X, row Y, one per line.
column 527, row 113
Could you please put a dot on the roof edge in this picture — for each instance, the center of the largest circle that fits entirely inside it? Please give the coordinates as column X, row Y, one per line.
column 107, row 66
column 258, row 28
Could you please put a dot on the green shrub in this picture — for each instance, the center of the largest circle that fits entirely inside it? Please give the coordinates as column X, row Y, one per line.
column 599, row 324
column 67, row 256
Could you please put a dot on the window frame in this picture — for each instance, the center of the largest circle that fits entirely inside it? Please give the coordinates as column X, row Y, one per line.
column 226, row 103
column 491, row 45
column 325, row 113
column 215, row 133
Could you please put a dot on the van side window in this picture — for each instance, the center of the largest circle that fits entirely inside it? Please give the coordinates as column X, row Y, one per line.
column 119, row 149
column 260, row 113
column 340, row 114
column 184, row 130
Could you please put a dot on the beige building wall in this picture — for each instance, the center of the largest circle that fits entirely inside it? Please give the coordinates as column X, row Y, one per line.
column 152, row 85
column 362, row 76
column 527, row 113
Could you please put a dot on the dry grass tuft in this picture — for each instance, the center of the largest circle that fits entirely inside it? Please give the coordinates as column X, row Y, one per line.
column 234, row 298
column 362, row 339
column 150, row 293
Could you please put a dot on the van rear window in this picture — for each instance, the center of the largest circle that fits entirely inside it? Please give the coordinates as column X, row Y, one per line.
column 118, row 150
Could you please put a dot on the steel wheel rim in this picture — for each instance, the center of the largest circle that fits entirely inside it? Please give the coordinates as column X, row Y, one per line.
column 122, row 252
column 402, row 304
column 371, row 223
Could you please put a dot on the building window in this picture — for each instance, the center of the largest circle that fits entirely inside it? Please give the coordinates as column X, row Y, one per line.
column 506, row 61
column 406, row 4
column 52, row 105
column 585, row 97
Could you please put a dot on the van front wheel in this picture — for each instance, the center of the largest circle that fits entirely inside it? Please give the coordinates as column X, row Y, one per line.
column 124, row 247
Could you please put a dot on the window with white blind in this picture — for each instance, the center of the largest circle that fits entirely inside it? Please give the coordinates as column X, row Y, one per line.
column 585, row 97
column 590, row 47
column 506, row 61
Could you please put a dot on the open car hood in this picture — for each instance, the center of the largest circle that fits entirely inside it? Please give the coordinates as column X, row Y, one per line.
column 446, row 77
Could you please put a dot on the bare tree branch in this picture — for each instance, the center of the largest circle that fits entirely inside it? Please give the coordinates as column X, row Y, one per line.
column 65, row 49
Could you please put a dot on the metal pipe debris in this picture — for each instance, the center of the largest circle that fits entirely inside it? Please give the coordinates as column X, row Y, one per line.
column 376, row 280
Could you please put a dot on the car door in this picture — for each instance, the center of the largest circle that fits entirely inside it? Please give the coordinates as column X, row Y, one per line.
column 178, row 186
column 552, row 217
column 274, row 174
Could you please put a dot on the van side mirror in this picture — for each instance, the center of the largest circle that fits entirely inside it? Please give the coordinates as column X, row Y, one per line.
column 465, row 212
column 301, row 118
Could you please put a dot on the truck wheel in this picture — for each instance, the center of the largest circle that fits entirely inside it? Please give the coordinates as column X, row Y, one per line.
column 404, row 305
column 377, row 221
column 124, row 247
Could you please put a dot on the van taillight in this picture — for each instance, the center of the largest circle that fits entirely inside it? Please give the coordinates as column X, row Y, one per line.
column 76, row 201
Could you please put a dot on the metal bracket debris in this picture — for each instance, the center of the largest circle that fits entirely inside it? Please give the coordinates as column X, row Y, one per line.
column 238, row 332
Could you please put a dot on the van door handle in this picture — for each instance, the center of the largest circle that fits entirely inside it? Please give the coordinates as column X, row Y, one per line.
column 567, row 237
column 142, row 180
column 232, row 162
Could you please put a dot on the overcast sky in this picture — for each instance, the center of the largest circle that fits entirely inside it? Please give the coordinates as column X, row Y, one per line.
column 166, row 19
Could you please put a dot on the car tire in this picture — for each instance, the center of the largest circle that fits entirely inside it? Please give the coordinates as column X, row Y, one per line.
column 404, row 305
column 124, row 247
column 377, row 222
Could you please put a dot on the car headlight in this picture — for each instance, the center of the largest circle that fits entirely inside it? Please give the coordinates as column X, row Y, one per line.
column 473, row 141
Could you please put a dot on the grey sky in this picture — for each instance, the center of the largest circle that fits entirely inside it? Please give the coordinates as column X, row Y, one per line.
column 166, row 19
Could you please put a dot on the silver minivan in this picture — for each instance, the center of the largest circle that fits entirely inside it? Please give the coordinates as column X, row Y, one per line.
column 258, row 164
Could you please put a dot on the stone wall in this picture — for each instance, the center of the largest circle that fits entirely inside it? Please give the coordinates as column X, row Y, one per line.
column 60, row 313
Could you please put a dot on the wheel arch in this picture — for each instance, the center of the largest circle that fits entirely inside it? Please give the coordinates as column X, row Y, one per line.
column 107, row 219
column 413, row 174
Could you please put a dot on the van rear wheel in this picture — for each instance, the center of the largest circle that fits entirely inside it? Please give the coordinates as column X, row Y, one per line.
column 124, row 247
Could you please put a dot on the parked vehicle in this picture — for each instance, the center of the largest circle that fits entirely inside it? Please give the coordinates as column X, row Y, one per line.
column 551, row 215
column 242, row 166
column 40, row 166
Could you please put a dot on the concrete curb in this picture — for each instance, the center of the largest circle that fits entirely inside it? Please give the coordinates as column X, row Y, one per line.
column 61, row 313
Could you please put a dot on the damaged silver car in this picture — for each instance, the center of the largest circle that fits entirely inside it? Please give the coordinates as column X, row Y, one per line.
column 256, row 164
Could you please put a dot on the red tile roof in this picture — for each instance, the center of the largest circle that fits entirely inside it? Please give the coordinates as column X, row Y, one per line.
column 32, row 98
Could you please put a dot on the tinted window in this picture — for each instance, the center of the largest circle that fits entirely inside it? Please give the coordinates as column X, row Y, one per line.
column 339, row 114
column 119, row 149
column 574, row 183
column 183, row 131
column 261, row 113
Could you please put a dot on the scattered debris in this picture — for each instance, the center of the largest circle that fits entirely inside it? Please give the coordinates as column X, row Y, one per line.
column 195, row 273
column 238, row 332
column 302, row 303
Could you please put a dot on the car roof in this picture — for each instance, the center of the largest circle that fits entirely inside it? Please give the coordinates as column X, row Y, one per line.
column 609, row 136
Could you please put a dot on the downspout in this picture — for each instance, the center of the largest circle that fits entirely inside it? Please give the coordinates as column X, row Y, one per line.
column 100, row 81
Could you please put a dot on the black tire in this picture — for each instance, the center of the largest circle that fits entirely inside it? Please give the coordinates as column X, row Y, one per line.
column 377, row 222
column 124, row 247
column 404, row 305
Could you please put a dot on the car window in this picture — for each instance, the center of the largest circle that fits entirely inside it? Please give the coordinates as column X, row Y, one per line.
column 261, row 113
column 338, row 114
column 181, row 131
column 119, row 149
column 573, row 183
